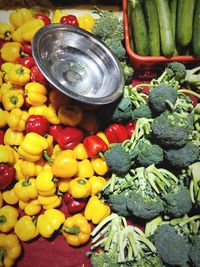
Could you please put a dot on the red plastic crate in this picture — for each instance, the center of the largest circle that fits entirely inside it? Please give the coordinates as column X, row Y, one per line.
column 149, row 66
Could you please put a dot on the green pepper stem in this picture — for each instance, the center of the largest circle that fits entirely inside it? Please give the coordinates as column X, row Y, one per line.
column 47, row 157
column 2, row 219
column 75, row 230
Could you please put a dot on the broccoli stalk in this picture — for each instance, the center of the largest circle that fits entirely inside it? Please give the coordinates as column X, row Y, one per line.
column 195, row 183
column 193, row 77
column 127, row 242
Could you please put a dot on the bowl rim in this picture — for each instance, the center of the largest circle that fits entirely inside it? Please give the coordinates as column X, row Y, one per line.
column 48, row 29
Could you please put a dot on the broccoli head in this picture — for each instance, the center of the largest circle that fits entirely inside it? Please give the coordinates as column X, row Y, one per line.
column 108, row 25
column 159, row 96
column 116, row 47
column 144, row 206
column 149, row 154
column 182, row 157
column 103, row 259
column 123, row 110
column 178, row 70
column 143, row 111
column 172, row 247
column 148, row 261
column 177, row 201
column 118, row 159
column 118, row 204
column 170, row 130
column 128, row 71
column 194, row 252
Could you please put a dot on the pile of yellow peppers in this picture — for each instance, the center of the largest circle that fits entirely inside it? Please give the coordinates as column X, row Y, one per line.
column 44, row 171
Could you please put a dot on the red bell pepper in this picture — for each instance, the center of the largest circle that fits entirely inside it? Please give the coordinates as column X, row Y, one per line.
column 2, row 133
column 27, row 49
column 55, row 131
column 37, row 124
column 70, row 137
column 7, row 175
column 130, row 127
column 37, row 76
column 116, row 133
column 70, row 19
column 43, row 17
column 26, row 61
column 74, row 205
column 94, row 145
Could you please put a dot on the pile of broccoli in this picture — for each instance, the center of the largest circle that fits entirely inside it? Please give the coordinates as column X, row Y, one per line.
column 110, row 30
column 177, row 241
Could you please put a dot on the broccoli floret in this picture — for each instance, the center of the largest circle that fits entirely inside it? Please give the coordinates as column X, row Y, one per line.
column 118, row 159
column 103, row 259
column 149, row 261
column 170, row 130
column 171, row 247
column 116, row 47
column 143, row 111
column 123, row 111
column 108, row 25
column 118, row 204
column 144, row 206
column 128, row 71
column 159, row 96
column 178, row 201
column 173, row 75
column 182, row 157
column 149, row 154
column 194, row 252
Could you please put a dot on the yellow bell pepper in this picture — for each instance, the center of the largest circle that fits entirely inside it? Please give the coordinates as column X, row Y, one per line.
column 50, row 202
column 50, row 221
column 31, row 207
column 20, row 16
column 10, row 249
column 99, row 165
column 70, row 114
column 103, row 137
column 26, row 168
column 10, row 51
column 58, row 14
column 1, row 199
column 81, row 152
column 86, row 22
column 6, row 154
column 16, row 119
column 96, row 210
column 26, row 189
column 32, row 147
column 76, row 230
column 56, row 151
column 58, row 99
column 85, row 169
column 65, row 164
column 79, row 188
column 49, row 112
column 7, row 66
column 5, row 31
column 97, row 183
column 45, row 184
column 26, row 32
column 10, row 196
column 26, row 229
column 13, row 138
column 19, row 75
column 13, row 99
column 63, row 185
column 36, row 93
column 3, row 118
column 5, row 87
column 8, row 218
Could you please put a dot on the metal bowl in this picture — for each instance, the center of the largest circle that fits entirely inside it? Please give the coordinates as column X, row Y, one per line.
column 78, row 64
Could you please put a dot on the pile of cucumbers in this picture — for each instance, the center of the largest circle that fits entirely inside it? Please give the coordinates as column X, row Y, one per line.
column 164, row 27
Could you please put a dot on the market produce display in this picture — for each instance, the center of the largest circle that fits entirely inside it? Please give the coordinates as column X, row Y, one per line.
column 124, row 184
column 167, row 28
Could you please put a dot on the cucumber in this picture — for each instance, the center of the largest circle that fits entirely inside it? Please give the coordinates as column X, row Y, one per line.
column 166, row 33
column 138, row 24
column 130, row 27
column 184, row 27
column 196, row 30
column 173, row 12
column 152, row 27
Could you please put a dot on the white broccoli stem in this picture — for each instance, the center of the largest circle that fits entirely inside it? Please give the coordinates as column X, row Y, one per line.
column 97, row 244
column 168, row 173
column 151, row 179
column 183, row 91
column 191, row 188
column 102, row 233
column 154, row 170
column 191, row 77
column 147, row 242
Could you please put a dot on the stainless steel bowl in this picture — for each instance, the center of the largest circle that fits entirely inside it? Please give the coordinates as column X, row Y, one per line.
column 78, row 64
